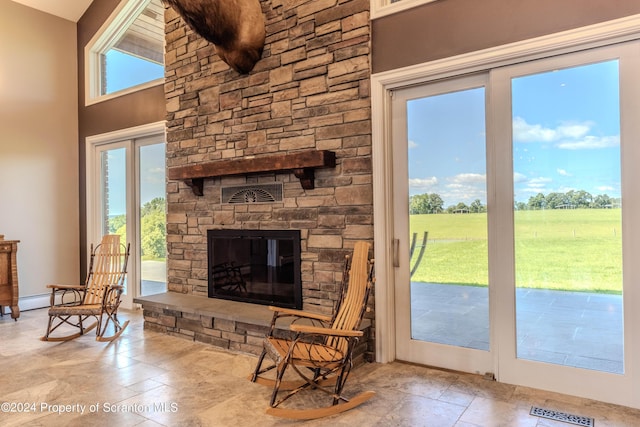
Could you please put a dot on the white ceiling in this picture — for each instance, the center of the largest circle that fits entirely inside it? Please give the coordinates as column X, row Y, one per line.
column 71, row 10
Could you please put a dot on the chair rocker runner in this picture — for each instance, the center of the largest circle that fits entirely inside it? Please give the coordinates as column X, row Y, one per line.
column 99, row 297
column 320, row 348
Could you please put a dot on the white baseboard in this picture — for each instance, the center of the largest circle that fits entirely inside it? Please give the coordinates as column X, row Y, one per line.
column 34, row 301
column 30, row 303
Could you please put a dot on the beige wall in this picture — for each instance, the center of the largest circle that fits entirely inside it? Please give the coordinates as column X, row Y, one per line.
column 38, row 146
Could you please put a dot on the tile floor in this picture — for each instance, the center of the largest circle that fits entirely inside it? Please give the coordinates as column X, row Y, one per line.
column 149, row 379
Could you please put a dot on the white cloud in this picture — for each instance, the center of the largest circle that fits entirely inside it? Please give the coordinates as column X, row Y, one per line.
column 519, row 177
column 412, row 144
column 423, row 184
column 590, row 143
column 154, row 176
column 468, row 178
column 525, row 132
column 464, row 194
column 563, row 172
column 536, row 185
column 605, row 188
column 529, row 191
column 541, row 180
column 576, row 130
column 568, row 136
column 465, row 187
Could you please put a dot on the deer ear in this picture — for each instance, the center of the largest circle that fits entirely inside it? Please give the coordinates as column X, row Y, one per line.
column 235, row 27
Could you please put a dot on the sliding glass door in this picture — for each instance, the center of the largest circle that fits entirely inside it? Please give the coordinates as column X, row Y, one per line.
column 440, row 191
column 514, row 222
column 126, row 196
column 568, row 216
column 565, row 127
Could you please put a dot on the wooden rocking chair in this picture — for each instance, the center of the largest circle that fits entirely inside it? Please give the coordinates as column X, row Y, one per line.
column 321, row 349
column 99, row 297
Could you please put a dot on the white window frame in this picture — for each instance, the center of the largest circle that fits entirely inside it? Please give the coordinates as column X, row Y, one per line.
column 108, row 34
column 380, row 8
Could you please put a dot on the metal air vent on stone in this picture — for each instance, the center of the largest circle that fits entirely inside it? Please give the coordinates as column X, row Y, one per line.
column 256, row 193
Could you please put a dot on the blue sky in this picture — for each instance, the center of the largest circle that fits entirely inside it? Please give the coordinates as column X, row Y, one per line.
column 152, row 176
column 565, row 134
column 124, row 71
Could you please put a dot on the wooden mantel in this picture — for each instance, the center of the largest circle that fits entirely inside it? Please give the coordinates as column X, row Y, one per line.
column 302, row 164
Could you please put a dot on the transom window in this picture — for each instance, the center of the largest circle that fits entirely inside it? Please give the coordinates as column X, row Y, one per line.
column 127, row 53
column 381, row 8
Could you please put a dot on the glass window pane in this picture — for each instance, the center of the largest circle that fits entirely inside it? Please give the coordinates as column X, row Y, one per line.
column 138, row 55
column 152, row 219
column 114, row 192
column 568, row 243
column 122, row 71
column 113, row 178
column 448, row 219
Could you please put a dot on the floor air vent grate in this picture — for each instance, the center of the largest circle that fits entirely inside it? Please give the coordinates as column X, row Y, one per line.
column 562, row 416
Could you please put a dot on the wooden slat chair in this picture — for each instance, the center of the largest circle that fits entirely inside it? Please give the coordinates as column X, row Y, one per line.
column 320, row 350
column 99, row 297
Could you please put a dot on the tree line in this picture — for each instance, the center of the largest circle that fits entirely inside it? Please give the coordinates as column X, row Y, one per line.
column 579, row 199
column 433, row 203
column 153, row 234
column 430, row 203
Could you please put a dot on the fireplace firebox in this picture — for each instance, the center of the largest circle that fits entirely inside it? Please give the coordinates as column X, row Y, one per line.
column 256, row 266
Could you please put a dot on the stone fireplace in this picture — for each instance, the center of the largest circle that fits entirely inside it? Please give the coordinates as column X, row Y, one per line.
column 300, row 119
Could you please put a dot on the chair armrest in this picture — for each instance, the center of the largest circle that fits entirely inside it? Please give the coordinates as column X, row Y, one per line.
column 112, row 288
column 299, row 313
column 305, row 329
column 63, row 292
column 111, row 296
column 66, row 287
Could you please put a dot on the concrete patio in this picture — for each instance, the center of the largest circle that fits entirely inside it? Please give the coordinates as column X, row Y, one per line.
column 576, row 329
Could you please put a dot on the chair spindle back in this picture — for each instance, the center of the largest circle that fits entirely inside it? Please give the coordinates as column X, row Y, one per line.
column 106, row 268
column 353, row 301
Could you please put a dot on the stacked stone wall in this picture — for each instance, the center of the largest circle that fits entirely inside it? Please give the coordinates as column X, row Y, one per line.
column 310, row 91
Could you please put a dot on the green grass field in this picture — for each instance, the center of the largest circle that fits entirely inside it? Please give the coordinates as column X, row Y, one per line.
column 579, row 250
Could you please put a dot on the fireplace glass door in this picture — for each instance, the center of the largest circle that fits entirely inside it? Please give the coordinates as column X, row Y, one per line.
column 257, row 266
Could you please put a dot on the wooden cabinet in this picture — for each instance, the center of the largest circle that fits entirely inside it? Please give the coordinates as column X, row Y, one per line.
column 9, row 276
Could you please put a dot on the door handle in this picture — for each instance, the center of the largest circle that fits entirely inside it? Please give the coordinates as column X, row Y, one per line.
column 395, row 245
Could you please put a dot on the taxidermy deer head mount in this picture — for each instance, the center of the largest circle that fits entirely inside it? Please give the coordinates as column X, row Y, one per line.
column 235, row 27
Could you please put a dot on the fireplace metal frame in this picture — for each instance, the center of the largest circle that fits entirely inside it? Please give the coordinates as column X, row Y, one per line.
column 291, row 235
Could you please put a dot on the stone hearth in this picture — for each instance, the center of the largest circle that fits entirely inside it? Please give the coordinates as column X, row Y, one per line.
column 230, row 325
